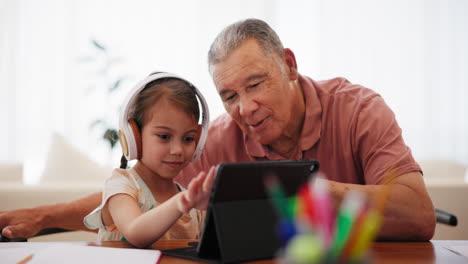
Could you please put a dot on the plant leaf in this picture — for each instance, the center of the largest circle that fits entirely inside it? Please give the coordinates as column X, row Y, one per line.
column 115, row 85
column 111, row 136
column 98, row 45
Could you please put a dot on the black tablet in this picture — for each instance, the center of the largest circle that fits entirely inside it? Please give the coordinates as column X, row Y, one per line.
column 241, row 220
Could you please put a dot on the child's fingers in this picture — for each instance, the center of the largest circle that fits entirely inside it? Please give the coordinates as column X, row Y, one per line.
column 195, row 186
column 195, row 181
column 208, row 183
column 199, row 188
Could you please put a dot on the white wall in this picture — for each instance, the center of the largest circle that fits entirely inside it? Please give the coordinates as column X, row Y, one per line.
column 412, row 52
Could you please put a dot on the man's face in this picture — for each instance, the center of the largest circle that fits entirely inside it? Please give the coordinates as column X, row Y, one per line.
column 257, row 94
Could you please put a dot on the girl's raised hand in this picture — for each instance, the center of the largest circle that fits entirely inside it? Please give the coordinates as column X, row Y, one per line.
column 198, row 192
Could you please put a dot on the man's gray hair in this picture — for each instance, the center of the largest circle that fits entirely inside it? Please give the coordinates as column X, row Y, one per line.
column 235, row 34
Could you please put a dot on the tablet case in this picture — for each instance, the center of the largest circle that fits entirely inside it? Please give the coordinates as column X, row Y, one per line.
column 241, row 221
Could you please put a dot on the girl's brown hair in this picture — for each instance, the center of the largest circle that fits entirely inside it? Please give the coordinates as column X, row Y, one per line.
column 177, row 91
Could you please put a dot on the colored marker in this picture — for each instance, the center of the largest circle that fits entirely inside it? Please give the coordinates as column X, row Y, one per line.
column 351, row 205
column 307, row 205
column 278, row 197
column 371, row 223
column 293, row 206
column 286, row 226
column 324, row 209
column 368, row 232
column 357, row 229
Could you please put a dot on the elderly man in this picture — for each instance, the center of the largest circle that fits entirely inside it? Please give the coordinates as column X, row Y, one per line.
column 275, row 113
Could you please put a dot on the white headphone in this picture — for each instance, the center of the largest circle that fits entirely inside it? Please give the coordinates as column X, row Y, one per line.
column 129, row 134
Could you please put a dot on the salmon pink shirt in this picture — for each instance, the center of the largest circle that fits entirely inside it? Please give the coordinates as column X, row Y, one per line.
column 348, row 128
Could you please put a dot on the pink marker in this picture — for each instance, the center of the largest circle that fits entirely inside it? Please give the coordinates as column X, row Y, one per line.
column 324, row 207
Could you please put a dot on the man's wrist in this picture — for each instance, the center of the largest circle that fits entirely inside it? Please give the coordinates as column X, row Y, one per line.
column 49, row 215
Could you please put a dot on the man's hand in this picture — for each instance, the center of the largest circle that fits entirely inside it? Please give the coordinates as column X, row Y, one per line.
column 23, row 223
column 26, row 223
column 198, row 192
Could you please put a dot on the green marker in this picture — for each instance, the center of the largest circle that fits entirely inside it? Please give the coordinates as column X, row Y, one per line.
column 350, row 207
column 280, row 201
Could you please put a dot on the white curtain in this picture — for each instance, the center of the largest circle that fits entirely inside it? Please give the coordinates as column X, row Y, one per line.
column 412, row 52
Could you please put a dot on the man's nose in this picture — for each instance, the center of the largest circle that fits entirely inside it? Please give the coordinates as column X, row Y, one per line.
column 247, row 106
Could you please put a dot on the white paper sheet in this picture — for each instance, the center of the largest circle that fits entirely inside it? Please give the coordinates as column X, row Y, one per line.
column 69, row 253
column 460, row 250
column 13, row 252
column 14, row 255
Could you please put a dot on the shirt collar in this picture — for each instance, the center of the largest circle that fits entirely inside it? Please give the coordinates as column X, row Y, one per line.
column 310, row 130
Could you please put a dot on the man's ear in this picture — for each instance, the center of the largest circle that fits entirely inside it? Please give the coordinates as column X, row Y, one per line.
column 291, row 64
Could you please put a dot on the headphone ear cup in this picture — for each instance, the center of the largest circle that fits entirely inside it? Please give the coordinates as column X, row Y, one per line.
column 123, row 142
column 137, row 135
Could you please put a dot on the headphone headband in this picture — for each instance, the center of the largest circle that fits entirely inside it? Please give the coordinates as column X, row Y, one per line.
column 129, row 140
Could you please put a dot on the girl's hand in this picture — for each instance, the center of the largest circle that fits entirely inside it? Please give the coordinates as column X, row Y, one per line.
column 198, row 192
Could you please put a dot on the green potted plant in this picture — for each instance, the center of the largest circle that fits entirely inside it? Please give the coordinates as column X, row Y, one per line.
column 104, row 64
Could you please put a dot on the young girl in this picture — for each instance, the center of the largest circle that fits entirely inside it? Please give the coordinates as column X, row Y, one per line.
column 158, row 127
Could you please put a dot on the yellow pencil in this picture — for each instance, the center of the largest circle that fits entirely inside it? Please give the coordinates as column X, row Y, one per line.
column 26, row 259
column 367, row 234
column 373, row 219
